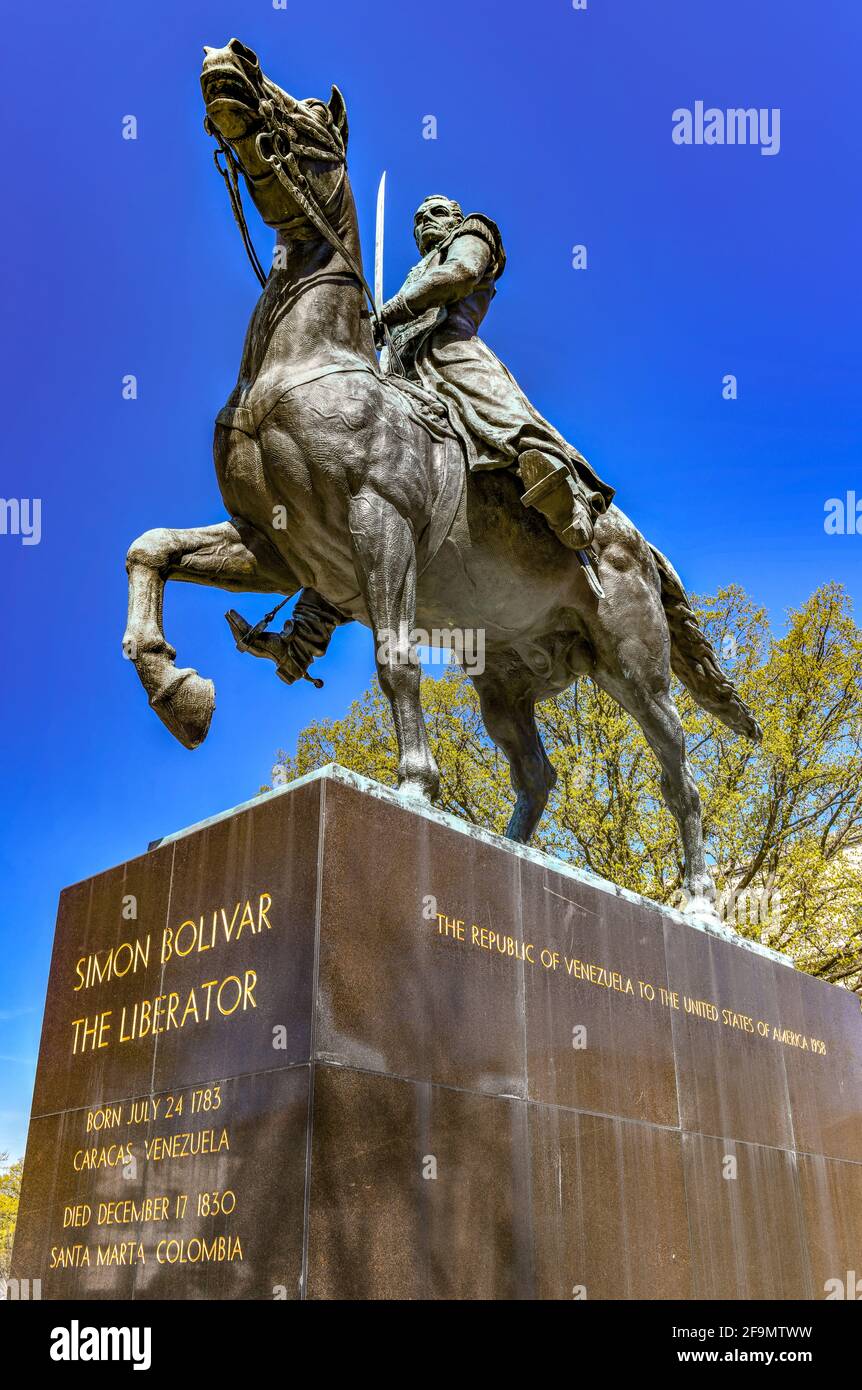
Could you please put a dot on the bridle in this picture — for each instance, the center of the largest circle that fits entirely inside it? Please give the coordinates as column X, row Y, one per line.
column 278, row 146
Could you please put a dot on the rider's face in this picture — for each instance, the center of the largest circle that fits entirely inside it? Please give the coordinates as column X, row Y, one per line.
column 436, row 220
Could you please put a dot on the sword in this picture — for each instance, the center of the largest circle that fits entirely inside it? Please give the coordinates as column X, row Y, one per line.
column 378, row 244
column 394, row 362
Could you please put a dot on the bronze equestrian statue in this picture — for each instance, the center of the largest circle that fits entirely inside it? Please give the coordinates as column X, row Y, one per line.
column 352, row 485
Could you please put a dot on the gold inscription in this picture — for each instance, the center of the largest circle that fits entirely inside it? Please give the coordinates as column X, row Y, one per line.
column 227, row 996
column 456, row 930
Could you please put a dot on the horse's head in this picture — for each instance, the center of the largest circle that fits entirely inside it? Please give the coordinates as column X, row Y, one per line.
column 267, row 130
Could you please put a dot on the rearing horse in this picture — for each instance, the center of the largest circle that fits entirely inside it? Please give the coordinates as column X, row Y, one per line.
column 340, row 479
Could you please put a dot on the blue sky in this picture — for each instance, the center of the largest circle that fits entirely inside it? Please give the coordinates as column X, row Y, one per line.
column 121, row 257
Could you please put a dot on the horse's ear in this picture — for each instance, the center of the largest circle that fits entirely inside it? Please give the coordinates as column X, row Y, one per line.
column 338, row 112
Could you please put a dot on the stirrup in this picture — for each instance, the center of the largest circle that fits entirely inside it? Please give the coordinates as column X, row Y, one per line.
column 579, row 533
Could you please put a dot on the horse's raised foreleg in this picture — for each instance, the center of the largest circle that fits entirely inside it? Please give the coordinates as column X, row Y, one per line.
column 225, row 556
column 508, row 705
column 385, row 556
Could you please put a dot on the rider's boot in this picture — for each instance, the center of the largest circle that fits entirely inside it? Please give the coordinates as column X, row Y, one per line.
column 303, row 639
column 552, row 490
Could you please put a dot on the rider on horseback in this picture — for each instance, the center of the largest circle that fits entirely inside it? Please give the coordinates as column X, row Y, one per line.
column 435, row 318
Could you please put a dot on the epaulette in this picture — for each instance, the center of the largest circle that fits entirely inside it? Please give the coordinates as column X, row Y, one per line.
column 477, row 224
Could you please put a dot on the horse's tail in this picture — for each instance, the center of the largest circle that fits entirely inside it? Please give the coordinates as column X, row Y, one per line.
column 693, row 658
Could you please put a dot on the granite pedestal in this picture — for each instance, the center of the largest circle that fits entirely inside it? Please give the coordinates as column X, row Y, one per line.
column 335, row 1045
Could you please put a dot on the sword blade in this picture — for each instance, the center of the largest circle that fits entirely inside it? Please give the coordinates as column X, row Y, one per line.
column 378, row 243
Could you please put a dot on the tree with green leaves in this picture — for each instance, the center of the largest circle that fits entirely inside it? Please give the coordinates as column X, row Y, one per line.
column 10, row 1192
column 783, row 821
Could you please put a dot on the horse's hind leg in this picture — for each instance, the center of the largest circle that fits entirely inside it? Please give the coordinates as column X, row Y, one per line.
column 507, row 699
column 225, row 556
column 653, row 708
column 385, row 556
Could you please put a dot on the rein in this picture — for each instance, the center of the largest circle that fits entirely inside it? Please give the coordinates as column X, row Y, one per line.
column 230, row 174
column 281, row 158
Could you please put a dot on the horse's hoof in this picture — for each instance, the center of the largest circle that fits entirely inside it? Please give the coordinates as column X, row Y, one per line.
column 413, row 791
column 185, row 706
column 702, row 909
column 418, row 789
